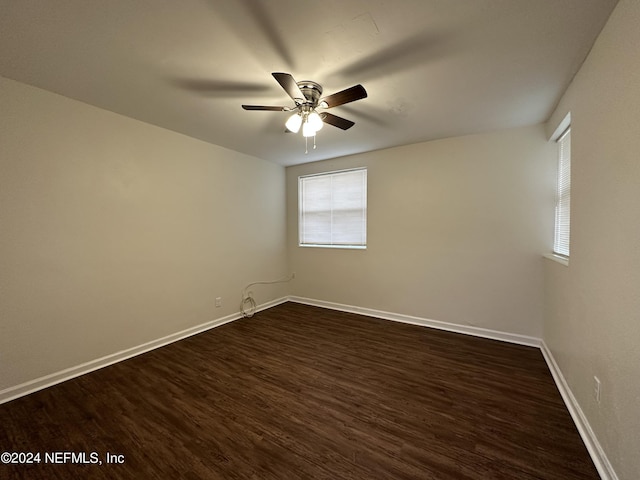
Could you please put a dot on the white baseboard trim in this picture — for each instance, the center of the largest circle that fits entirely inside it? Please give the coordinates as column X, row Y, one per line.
column 31, row 386
column 589, row 438
column 424, row 322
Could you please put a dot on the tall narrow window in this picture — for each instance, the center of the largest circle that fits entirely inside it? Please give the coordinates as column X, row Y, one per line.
column 333, row 209
column 563, row 203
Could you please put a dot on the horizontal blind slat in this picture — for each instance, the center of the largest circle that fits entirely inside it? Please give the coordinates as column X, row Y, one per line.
column 563, row 205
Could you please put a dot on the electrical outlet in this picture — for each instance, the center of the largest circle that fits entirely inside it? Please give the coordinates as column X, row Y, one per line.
column 218, row 302
column 597, row 389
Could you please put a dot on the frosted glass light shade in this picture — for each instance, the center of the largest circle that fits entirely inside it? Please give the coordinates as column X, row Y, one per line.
column 294, row 122
column 315, row 121
column 308, row 130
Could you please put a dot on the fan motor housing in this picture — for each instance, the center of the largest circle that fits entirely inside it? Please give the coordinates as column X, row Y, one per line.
column 311, row 90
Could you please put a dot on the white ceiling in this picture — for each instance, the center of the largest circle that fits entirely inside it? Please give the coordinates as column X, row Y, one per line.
column 432, row 68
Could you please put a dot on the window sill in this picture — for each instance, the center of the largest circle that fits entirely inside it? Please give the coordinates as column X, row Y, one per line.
column 557, row 258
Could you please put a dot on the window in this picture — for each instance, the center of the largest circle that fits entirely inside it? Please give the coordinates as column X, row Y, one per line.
column 563, row 201
column 333, row 209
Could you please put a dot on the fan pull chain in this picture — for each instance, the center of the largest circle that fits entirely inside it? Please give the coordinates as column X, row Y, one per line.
column 314, row 142
column 306, row 147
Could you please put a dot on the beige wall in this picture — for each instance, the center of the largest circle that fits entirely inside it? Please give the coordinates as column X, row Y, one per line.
column 114, row 232
column 456, row 230
column 592, row 324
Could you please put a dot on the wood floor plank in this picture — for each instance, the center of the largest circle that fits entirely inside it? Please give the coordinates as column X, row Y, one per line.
column 299, row 392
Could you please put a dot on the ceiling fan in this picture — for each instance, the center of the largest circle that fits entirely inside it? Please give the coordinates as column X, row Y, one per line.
column 307, row 96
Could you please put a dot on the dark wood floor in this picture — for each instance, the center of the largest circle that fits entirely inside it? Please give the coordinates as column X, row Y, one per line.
column 299, row 392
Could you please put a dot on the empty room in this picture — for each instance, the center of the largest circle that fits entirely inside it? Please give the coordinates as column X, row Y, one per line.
column 286, row 239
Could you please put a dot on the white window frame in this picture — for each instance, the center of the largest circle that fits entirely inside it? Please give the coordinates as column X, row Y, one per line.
column 306, row 239
column 562, row 230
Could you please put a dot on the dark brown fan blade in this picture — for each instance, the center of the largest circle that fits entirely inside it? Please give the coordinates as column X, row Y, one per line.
column 337, row 121
column 290, row 86
column 264, row 107
column 352, row 94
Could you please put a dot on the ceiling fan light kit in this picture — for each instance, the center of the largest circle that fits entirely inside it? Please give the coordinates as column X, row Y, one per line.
column 307, row 96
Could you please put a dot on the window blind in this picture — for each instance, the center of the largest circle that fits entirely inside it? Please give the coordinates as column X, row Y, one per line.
column 333, row 209
column 563, row 203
